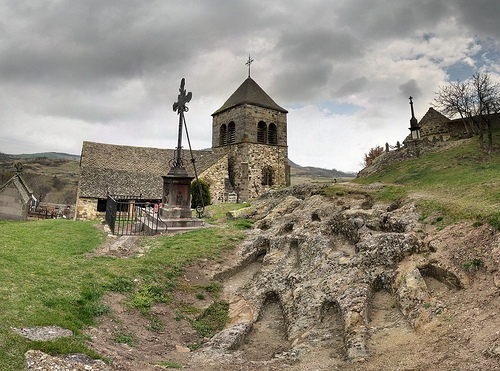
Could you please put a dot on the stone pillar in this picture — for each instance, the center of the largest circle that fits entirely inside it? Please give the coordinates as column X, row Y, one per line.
column 176, row 194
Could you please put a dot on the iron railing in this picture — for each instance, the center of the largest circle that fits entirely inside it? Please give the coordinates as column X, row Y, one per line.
column 127, row 215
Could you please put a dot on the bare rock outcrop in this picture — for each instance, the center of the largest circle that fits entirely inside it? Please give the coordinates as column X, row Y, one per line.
column 319, row 253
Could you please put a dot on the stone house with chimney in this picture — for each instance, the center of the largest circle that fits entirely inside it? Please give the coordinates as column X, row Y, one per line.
column 249, row 156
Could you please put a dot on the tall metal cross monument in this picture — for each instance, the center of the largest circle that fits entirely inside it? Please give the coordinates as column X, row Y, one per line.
column 180, row 107
column 177, row 183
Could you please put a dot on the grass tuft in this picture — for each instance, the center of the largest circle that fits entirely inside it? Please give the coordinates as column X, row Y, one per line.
column 212, row 320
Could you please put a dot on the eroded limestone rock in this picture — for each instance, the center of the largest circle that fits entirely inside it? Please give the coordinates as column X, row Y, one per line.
column 327, row 252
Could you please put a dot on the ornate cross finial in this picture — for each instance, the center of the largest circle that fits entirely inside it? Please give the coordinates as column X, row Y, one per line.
column 182, row 99
column 248, row 63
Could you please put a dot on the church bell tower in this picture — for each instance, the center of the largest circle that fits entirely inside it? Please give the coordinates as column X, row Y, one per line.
column 252, row 130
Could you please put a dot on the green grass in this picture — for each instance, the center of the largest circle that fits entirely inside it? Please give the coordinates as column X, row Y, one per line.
column 212, row 320
column 461, row 183
column 122, row 336
column 168, row 364
column 48, row 278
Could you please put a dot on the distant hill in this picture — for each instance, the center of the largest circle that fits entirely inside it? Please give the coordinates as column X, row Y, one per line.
column 310, row 171
column 54, row 155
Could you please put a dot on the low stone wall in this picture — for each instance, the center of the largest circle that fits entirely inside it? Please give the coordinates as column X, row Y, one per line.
column 86, row 209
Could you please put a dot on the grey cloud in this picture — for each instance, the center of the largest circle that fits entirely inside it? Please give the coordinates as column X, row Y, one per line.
column 316, row 44
column 480, row 15
column 351, row 87
column 302, row 84
column 410, row 88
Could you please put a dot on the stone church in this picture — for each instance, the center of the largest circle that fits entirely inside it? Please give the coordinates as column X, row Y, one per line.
column 249, row 156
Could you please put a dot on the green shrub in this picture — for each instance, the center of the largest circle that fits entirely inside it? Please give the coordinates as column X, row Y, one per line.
column 473, row 264
column 196, row 200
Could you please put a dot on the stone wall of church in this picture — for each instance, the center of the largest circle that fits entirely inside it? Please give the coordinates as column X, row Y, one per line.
column 248, row 162
column 216, row 177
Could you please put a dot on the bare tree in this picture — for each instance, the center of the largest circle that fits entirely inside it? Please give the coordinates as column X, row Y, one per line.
column 488, row 101
column 473, row 100
column 457, row 99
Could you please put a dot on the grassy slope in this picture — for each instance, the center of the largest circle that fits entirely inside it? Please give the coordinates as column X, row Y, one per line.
column 460, row 183
column 48, row 277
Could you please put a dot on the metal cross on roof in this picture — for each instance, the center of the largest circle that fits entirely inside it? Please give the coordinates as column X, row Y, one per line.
column 248, row 63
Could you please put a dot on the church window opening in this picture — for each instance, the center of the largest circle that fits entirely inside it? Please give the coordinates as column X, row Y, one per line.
column 261, row 132
column 267, row 176
column 223, row 135
column 273, row 134
column 231, row 133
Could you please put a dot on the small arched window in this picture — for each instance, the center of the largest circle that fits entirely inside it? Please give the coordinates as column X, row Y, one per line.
column 231, row 138
column 267, row 176
column 261, row 132
column 272, row 134
column 223, row 135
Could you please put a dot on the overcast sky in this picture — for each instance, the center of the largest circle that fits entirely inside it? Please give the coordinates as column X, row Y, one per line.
column 109, row 70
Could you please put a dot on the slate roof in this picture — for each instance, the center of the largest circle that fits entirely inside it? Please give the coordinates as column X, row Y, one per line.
column 433, row 116
column 129, row 170
column 249, row 92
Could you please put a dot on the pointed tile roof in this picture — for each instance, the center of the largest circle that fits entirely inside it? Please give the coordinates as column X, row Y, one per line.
column 250, row 92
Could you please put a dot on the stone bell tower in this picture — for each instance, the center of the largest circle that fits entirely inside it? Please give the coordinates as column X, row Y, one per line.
column 252, row 130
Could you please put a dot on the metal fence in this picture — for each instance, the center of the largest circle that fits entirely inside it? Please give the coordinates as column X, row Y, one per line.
column 126, row 215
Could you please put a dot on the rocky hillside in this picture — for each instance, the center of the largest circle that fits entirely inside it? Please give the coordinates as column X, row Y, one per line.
column 357, row 286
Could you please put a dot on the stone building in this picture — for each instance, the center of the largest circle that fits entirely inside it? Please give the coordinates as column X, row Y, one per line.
column 251, row 129
column 434, row 125
column 15, row 199
column 249, row 156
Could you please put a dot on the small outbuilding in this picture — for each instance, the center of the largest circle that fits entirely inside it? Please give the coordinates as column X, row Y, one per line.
column 15, row 199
